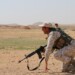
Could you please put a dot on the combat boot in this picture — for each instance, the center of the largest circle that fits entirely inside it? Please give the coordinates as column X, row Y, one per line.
column 66, row 67
column 73, row 62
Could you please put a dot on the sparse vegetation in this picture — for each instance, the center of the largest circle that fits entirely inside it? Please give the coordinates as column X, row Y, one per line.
column 17, row 42
column 19, row 38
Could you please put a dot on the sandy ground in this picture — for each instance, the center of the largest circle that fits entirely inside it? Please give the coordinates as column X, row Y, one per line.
column 9, row 64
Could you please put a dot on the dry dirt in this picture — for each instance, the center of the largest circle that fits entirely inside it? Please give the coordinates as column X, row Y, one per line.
column 9, row 64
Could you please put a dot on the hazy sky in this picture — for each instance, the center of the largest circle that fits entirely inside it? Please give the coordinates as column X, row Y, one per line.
column 31, row 11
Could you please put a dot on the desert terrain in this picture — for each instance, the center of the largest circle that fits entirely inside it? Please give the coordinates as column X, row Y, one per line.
column 16, row 42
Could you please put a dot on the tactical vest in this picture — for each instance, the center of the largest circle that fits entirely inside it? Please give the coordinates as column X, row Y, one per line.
column 63, row 40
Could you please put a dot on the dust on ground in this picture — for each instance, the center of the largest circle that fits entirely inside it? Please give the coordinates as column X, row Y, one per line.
column 9, row 64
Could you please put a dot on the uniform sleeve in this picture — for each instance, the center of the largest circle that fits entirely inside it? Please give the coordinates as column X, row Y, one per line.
column 51, row 39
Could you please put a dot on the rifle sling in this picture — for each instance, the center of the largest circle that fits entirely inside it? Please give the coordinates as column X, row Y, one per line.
column 36, row 66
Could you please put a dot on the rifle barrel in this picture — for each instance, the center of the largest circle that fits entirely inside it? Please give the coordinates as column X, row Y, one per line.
column 29, row 55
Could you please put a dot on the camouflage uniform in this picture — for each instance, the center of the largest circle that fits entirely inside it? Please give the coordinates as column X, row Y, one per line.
column 64, row 54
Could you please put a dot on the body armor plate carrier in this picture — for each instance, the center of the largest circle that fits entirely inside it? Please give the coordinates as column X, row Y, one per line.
column 63, row 40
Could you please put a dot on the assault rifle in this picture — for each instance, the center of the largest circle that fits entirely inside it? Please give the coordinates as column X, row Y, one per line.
column 38, row 52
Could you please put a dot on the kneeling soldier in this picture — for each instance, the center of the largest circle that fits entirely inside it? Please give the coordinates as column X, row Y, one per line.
column 64, row 44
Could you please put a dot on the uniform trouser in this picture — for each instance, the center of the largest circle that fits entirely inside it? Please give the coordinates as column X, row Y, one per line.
column 66, row 53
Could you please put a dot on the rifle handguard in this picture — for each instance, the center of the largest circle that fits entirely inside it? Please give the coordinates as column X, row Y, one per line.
column 40, row 50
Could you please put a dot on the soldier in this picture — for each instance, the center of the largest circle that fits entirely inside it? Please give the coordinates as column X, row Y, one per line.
column 59, row 40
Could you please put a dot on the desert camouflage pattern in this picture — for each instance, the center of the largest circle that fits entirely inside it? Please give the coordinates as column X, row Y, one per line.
column 52, row 37
column 64, row 54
